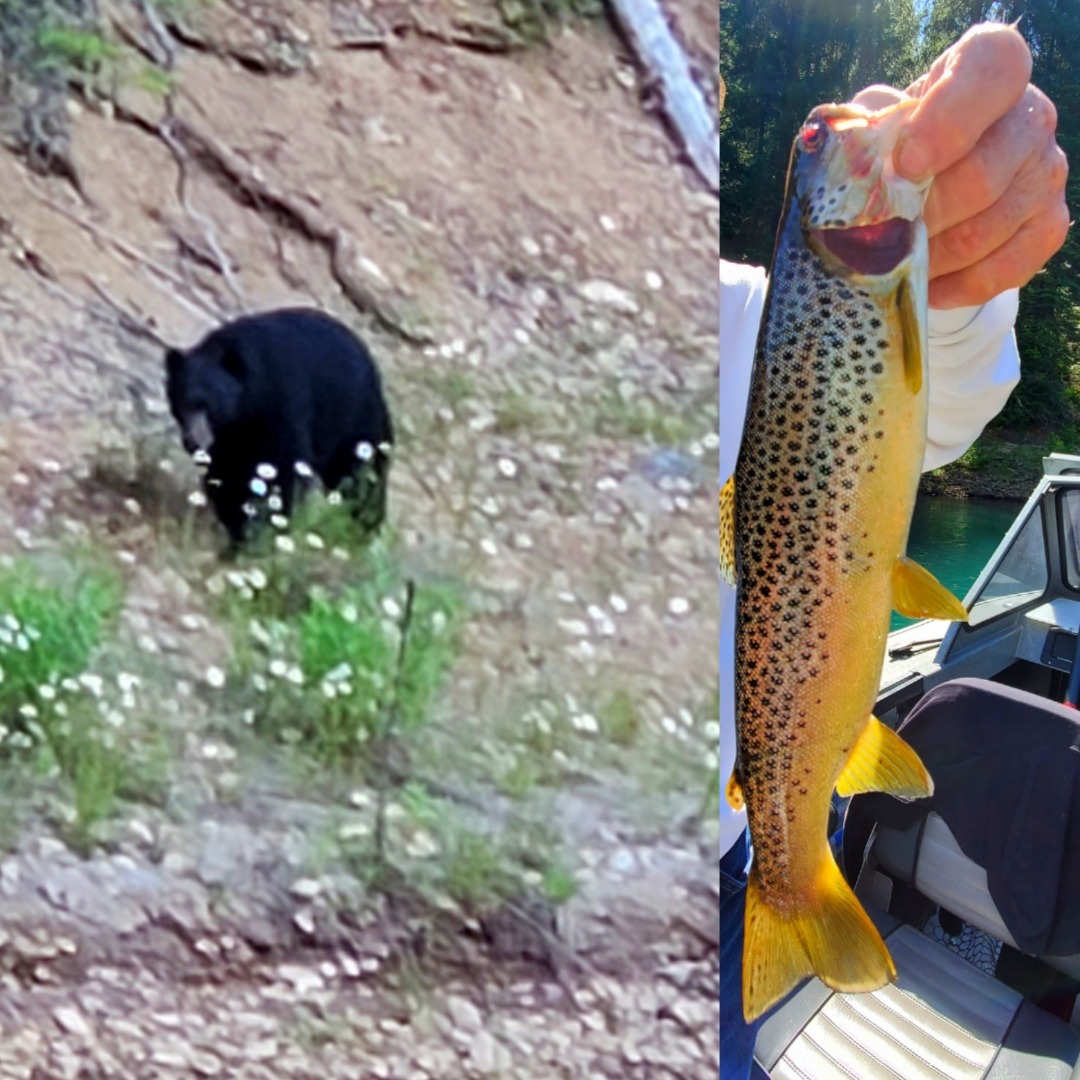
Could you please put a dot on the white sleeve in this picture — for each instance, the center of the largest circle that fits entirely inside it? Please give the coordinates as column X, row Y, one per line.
column 974, row 365
column 742, row 297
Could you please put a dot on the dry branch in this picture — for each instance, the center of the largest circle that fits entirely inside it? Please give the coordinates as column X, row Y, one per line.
column 650, row 37
column 305, row 218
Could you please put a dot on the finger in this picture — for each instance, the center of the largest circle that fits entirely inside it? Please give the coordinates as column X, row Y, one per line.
column 1035, row 191
column 979, row 79
column 878, row 97
column 1010, row 266
column 981, row 177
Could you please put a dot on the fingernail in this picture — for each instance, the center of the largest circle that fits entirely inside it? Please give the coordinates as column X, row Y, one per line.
column 912, row 159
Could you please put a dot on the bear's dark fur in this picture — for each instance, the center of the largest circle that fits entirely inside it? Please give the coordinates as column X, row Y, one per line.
column 279, row 388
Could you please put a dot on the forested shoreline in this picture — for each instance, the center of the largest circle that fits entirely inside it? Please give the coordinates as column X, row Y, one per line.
column 779, row 58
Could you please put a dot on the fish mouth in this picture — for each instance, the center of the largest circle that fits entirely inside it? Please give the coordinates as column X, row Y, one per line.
column 869, row 249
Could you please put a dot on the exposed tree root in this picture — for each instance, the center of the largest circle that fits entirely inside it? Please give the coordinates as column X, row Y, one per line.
column 300, row 215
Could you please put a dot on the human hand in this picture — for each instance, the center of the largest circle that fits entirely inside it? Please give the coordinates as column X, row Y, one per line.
column 996, row 211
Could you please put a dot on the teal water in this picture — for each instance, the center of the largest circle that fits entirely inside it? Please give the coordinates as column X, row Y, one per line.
column 953, row 539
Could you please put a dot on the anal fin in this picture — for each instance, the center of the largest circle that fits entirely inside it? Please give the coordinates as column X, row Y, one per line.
column 882, row 761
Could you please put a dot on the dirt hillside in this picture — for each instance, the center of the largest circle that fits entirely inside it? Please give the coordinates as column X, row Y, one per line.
column 509, row 225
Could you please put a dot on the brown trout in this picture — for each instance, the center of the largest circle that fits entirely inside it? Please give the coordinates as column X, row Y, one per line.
column 813, row 528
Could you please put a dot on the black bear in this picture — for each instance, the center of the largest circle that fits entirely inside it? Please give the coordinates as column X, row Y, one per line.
column 268, row 392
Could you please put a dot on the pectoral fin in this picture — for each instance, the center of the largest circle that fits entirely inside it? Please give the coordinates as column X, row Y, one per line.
column 735, row 793
column 911, row 335
column 917, row 594
column 727, row 531
column 882, row 761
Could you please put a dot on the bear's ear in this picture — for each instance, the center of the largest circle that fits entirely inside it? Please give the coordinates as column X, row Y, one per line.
column 174, row 361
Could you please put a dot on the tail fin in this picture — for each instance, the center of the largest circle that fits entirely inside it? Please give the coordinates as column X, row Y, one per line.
column 831, row 937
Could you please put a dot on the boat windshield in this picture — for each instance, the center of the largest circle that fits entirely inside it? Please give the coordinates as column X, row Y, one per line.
column 1023, row 574
column 1069, row 503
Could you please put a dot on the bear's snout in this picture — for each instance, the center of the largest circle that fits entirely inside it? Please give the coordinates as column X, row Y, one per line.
column 197, row 433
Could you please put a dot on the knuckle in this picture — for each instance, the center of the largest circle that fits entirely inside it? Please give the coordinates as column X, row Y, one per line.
column 1057, row 166
column 963, row 243
column 1060, row 224
column 1040, row 108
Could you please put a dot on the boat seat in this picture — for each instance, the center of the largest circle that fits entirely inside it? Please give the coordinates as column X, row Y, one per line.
column 928, row 856
column 944, row 1017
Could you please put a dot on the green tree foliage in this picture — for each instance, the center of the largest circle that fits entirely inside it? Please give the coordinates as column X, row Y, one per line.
column 780, row 58
column 1048, row 329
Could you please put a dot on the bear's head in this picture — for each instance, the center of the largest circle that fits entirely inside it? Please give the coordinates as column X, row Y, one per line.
column 204, row 386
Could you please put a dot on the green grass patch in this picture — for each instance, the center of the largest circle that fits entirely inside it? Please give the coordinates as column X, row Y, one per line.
column 536, row 20
column 56, row 713
column 644, row 419
column 319, row 646
column 48, row 631
column 84, row 50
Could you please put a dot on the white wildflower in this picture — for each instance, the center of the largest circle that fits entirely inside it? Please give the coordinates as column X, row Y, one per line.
column 365, row 451
column 340, row 673
column 266, row 471
column 258, row 487
column 94, row 683
column 285, row 544
column 215, row 677
column 126, row 682
column 197, row 498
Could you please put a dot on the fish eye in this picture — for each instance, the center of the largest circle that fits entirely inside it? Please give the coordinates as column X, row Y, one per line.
column 812, row 137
